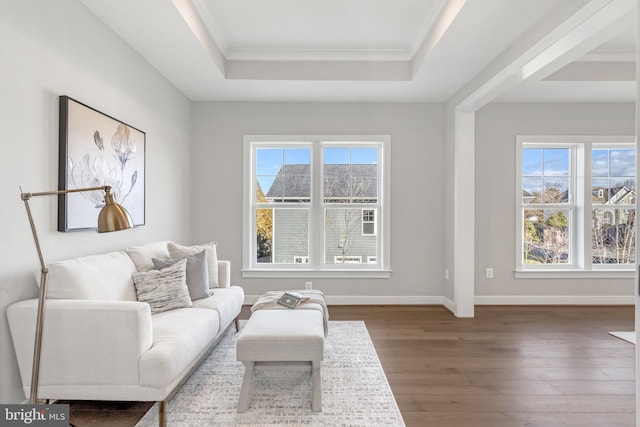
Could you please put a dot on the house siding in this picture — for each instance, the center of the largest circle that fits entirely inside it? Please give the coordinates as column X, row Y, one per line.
column 290, row 235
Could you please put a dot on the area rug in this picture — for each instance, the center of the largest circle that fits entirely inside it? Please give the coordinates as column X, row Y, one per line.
column 355, row 391
column 627, row 336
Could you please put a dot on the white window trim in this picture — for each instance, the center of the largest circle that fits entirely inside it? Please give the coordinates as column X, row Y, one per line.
column 378, row 270
column 579, row 246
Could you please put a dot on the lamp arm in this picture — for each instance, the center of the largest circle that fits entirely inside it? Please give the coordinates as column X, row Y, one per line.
column 105, row 188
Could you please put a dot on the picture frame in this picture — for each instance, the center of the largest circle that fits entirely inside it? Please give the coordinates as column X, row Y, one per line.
column 96, row 150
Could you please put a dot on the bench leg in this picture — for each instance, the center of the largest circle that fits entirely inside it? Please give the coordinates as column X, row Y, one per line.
column 245, row 390
column 316, row 384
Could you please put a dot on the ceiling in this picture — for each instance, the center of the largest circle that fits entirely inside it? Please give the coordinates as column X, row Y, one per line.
column 381, row 50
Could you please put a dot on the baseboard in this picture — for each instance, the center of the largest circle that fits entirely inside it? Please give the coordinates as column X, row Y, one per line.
column 479, row 300
column 449, row 305
column 555, row 300
column 370, row 300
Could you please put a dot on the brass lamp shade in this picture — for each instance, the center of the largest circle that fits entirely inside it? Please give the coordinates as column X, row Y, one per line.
column 113, row 217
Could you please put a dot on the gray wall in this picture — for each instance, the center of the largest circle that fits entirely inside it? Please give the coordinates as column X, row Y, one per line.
column 53, row 48
column 417, row 153
column 496, row 128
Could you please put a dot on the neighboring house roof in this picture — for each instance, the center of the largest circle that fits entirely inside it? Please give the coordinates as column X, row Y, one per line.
column 292, row 182
column 618, row 195
column 340, row 182
column 527, row 197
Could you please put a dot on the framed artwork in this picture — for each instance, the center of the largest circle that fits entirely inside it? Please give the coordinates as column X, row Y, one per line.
column 98, row 150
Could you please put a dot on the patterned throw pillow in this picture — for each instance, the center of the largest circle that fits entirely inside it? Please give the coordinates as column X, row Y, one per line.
column 164, row 289
column 197, row 273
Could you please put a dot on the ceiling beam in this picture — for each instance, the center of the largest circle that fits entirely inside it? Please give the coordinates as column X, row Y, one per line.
column 447, row 11
column 192, row 16
column 579, row 32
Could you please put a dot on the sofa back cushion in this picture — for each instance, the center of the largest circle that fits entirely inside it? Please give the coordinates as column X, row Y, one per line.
column 142, row 255
column 96, row 277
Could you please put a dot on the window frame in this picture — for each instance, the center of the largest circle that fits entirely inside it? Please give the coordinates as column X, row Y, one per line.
column 316, row 266
column 580, row 241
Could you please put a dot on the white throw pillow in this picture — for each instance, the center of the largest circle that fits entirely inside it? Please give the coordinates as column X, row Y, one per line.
column 164, row 289
column 179, row 251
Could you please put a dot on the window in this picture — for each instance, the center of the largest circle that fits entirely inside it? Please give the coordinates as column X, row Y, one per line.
column 576, row 199
column 368, row 222
column 315, row 204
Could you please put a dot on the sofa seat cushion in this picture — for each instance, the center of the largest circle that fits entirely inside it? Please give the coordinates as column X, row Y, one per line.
column 225, row 301
column 179, row 338
column 95, row 277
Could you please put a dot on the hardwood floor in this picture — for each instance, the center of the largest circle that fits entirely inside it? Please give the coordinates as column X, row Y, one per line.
column 509, row 366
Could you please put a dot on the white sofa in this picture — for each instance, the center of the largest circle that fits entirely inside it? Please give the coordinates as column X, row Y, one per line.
column 100, row 343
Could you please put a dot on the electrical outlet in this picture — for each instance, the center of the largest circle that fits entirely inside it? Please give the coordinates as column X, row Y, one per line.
column 308, row 285
column 489, row 273
column 446, row 274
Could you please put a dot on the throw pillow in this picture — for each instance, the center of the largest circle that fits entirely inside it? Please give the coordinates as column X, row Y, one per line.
column 164, row 289
column 179, row 251
column 197, row 273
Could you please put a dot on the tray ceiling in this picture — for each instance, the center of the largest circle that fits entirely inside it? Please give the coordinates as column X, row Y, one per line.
column 367, row 50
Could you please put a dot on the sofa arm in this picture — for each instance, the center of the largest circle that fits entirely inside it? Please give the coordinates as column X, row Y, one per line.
column 84, row 341
column 224, row 274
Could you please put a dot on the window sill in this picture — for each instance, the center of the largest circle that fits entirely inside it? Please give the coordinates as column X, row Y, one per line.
column 316, row 274
column 575, row 274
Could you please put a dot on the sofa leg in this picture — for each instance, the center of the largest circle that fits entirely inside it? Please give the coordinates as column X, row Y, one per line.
column 162, row 414
column 237, row 321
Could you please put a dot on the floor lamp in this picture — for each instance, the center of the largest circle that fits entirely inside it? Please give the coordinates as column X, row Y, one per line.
column 112, row 217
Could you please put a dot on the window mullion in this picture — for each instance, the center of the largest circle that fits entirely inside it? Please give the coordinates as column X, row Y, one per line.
column 582, row 229
column 584, row 206
column 316, row 223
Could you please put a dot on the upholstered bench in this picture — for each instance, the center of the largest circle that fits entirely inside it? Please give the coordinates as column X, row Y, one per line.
column 282, row 339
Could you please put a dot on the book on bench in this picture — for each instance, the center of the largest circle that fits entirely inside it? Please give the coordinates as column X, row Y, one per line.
column 291, row 299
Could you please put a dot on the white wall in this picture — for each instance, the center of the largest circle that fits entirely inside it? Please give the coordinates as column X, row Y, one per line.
column 417, row 190
column 496, row 128
column 52, row 48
